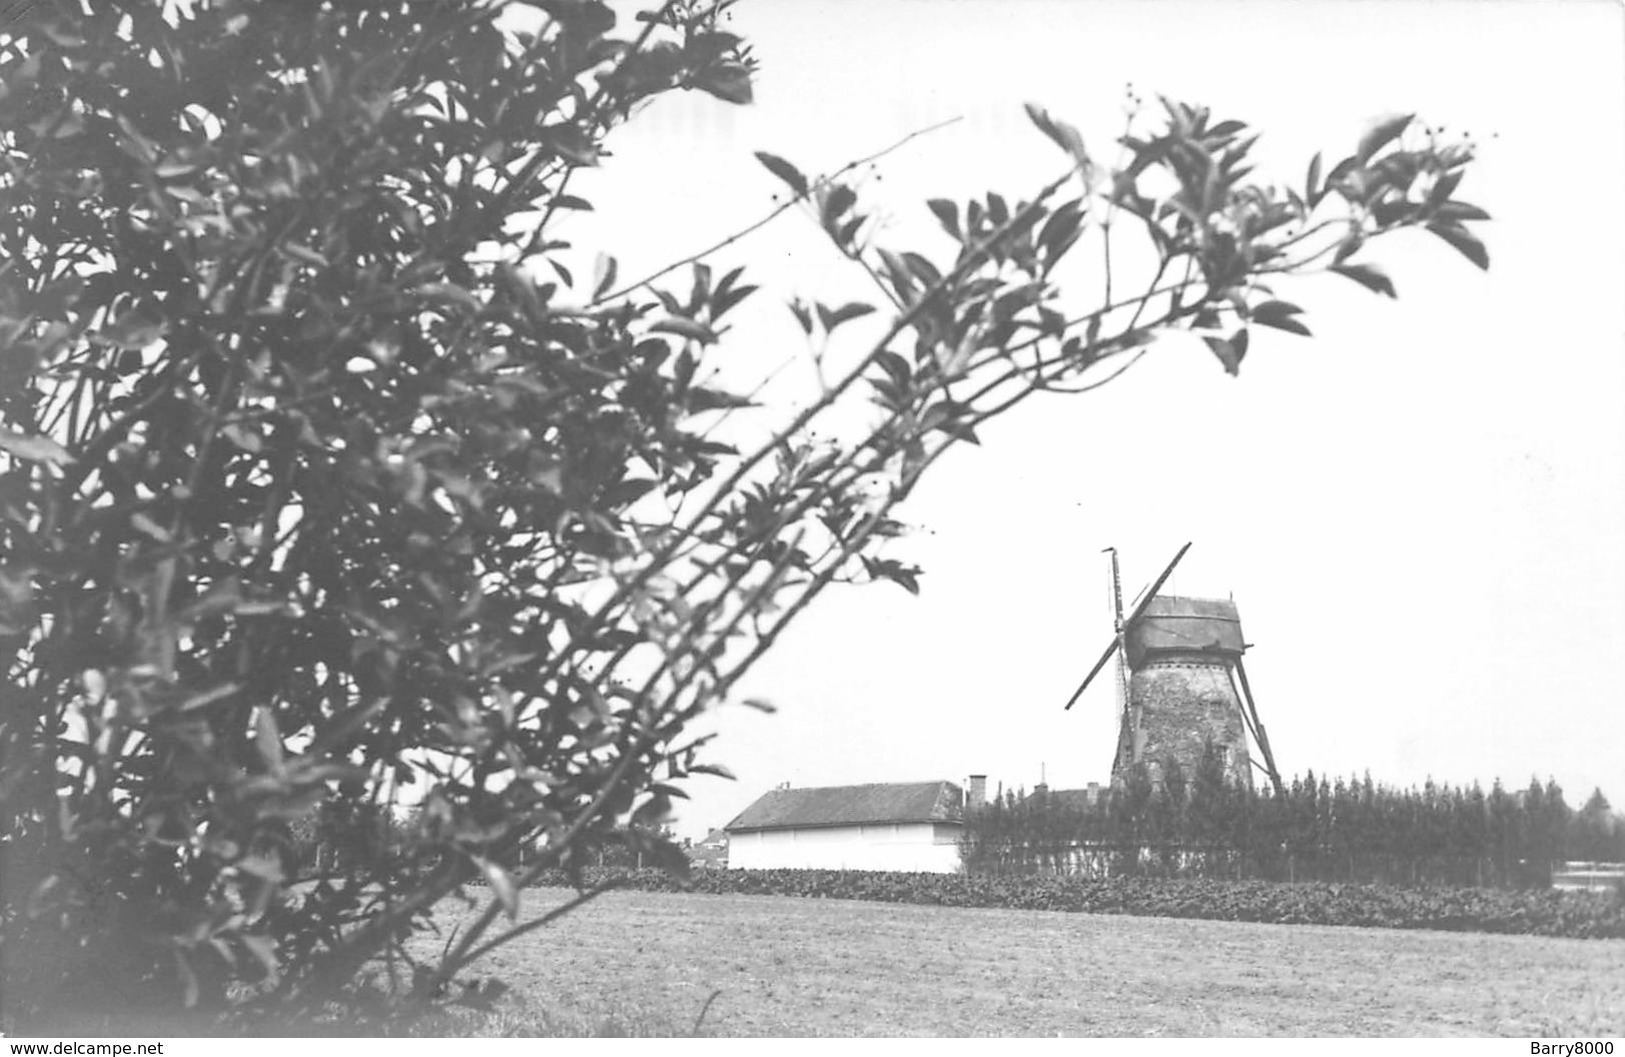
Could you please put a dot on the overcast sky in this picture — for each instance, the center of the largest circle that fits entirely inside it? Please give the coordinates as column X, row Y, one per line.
column 1420, row 512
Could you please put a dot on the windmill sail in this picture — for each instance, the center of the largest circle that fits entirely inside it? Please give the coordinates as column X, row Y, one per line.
column 1117, row 640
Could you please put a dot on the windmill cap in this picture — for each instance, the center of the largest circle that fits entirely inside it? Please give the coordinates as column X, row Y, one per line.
column 1171, row 624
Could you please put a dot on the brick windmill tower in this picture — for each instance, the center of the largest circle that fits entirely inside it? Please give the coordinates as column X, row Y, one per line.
column 1181, row 684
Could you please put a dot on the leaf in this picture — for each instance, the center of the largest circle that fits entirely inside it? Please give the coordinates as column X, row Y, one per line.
column 922, row 269
column 1380, row 136
column 305, row 254
column 1226, row 128
column 142, row 523
column 1348, row 247
column 653, row 811
column 760, row 704
column 268, row 740
column 209, row 697
column 1060, row 230
column 784, row 171
column 708, row 47
column 1339, row 171
column 1229, row 351
column 702, row 286
column 1458, row 212
column 687, row 328
column 502, row 886
column 850, row 311
column 724, row 302
column 902, row 282
column 841, row 198
column 571, row 144
column 242, row 436
column 997, row 211
column 1463, row 240
column 947, row 213
column 604, row 270
column 1040, row 117
column 628, row 491
column 894, row 365
column 729, row 82
column 1372, row 278
column 701, row 400
column 33, row 448
column 905, row 576
column 803, row 316
column 1278, row 314
column 1311, row 185
column 1060, row 133
column 1444, row 188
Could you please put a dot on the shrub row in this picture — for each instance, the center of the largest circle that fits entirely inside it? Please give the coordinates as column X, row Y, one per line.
column 1538, row 913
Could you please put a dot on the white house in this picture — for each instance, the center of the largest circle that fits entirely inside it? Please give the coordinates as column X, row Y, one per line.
column 904, row 826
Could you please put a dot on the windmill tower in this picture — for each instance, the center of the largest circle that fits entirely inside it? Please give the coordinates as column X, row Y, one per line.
column 1182, row 684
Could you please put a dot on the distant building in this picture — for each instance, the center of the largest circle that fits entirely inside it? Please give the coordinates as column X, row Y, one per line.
column 900, row 826
column 1077, row 799
column 710, row 853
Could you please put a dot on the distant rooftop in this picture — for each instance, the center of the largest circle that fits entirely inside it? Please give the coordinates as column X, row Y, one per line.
column 852, row 805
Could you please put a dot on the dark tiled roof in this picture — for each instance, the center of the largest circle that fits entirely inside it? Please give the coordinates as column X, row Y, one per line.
column 1076, row 799
column 851, row 805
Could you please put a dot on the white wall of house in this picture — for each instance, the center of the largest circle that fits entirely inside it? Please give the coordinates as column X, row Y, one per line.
column 909, row 846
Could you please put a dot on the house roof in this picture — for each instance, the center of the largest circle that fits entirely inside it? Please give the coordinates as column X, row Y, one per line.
column 712, row 851
column 1076, row 799
column 851, row 805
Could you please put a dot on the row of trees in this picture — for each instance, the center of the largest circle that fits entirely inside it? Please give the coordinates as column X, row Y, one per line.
column 1352, row 830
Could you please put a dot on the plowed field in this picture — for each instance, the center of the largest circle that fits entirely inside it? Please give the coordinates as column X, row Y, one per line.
column 648, row 962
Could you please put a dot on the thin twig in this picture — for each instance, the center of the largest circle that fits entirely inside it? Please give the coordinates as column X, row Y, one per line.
column 771, row 216
column 695, row 1031
column 551, row 916
column 971, row 258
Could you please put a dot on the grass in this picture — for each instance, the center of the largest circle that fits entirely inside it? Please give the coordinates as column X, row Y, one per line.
column 646, row 963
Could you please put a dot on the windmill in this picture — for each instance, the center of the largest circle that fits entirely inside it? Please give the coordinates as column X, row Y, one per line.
column 1181, row 683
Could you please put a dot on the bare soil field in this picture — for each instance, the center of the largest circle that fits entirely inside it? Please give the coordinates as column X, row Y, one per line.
column 647, row 962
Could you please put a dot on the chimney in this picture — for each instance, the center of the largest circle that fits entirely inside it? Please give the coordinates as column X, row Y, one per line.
column 977, row 795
